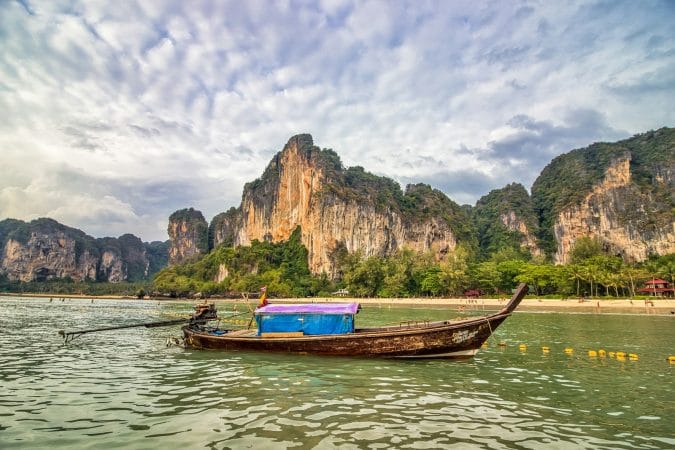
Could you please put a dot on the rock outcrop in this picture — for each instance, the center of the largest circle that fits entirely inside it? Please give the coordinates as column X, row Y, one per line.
column 340, row 209
column 618, row 214
column 528, row 239
column 188, row 235
column 111, row 267
column 620, row 194
column 45, row 249
column 45, row 256
column 505, row 218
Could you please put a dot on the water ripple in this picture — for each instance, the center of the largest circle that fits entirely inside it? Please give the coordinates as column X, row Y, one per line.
column 128, row 389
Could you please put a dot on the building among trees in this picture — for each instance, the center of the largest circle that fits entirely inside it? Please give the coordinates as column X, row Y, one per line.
column 657, row 287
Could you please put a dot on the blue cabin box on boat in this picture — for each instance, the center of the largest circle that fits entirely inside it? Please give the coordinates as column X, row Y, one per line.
column 309, row 319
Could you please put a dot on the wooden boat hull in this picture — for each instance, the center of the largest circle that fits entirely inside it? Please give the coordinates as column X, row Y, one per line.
column 436, row 340
column 447, row 339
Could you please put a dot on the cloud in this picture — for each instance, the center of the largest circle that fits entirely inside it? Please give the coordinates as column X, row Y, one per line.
column 119, row 115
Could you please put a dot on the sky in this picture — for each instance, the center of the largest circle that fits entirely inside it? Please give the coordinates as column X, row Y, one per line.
column 115, row 114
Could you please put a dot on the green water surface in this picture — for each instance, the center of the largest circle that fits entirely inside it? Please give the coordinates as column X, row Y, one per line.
column 127, row 389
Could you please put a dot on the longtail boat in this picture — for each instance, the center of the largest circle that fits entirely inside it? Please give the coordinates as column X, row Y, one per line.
column 328, row 329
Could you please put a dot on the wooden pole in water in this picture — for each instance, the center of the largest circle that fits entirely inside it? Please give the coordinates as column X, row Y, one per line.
column 70, row 335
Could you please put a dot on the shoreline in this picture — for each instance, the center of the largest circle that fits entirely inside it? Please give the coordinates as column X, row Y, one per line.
column 614, row 306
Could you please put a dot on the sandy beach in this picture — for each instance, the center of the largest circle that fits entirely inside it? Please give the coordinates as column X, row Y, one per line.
column 614, row 306
column 627, row 306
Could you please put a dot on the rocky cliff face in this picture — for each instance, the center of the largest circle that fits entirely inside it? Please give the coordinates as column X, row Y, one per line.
column 45, row 256
column 122, row 259
column 45, row 249
column 505, row 219
column 336, row 209
column 188, row 234
column 619, row 193
column 111, row 267
column 224, row 227
column 619, row 215
column 528, row 240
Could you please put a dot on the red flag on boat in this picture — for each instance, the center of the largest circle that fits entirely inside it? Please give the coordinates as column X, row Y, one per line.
column 263, row 297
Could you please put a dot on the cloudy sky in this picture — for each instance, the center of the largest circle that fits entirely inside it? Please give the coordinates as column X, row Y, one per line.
column 115, row 114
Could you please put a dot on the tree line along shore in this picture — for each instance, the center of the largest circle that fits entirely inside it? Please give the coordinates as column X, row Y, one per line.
column 644, row 305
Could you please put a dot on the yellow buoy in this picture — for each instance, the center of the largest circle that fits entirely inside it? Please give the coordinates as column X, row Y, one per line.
column 592, row 353
column 569, row 350
column 671, row 359
column 602, row 353
column 545, row 349
column 612, row 354
column 620, row 354
column 633, row 356
column 522, row 347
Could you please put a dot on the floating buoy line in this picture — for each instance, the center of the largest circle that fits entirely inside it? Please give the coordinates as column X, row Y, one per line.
column 523, row 348
column 592, row 353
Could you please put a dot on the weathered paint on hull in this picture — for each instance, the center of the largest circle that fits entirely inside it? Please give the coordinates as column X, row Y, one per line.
column 460, row 339
column 437, row 340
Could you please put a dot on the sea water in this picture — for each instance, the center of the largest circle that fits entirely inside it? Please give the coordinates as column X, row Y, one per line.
column 128, row 389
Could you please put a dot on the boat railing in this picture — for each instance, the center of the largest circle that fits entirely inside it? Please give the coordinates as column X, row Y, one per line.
column 414, row 323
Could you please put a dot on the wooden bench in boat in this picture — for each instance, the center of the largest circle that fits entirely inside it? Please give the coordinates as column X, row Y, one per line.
column 242, row 333
column 286, row 334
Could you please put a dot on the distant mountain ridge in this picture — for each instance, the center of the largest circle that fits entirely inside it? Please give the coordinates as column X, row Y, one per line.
column 340, row 210
column 620, row 193
column 44, row 249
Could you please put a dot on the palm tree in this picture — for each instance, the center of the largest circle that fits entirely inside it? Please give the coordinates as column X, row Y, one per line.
column 632, row 275
column 575, row 273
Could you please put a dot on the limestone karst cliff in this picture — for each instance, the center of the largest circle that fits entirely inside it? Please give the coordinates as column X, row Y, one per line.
column 619, row 215
column 505, row 218
column 620, row 193
column 340, row 209
column 45, row 249
column 188, row 235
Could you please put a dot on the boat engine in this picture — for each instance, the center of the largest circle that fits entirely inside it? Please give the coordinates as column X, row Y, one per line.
column 203, row 313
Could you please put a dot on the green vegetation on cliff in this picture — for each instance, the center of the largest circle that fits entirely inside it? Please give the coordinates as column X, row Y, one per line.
column 282, row 267
column 158, row 256
column 570, row 177
column 419, row 203
column 8, row 230
column 493, row 235
column 134, row 257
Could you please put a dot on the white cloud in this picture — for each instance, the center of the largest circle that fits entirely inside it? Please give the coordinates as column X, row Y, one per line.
column 121, row 113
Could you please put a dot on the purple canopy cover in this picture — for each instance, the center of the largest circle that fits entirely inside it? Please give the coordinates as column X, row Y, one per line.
column 310, row 308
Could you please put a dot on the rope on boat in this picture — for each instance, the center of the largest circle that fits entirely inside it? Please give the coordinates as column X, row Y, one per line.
column 175, row 342
column 490, row 327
